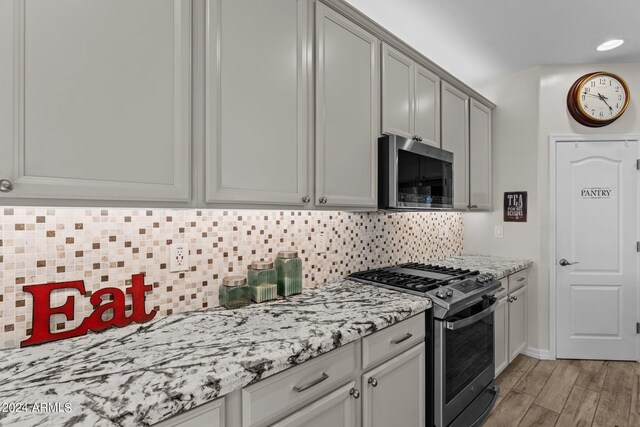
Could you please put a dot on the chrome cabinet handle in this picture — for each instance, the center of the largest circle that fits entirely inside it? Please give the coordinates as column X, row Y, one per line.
column 6, row 186
column 306, row 199
column 563, row 262
column 373, row 382
column 323, row 200
column 355, row 393
column 311, row 384
column 399, row 340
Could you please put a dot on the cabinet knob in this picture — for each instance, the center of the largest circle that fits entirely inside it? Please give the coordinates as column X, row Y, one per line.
column 416, row 138
column 6, row 186
column 306, row 199
column 420, row 138
column 323, row 200
column 373, row 382
column 473, row 206
column 355, row 393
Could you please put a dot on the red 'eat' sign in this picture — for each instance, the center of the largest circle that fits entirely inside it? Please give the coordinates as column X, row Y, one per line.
column 42, row 310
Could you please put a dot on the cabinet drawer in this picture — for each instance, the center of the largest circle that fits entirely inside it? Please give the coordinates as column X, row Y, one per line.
column 518, row 280
column 504, row 283
column 270, row 399
column 392, row 340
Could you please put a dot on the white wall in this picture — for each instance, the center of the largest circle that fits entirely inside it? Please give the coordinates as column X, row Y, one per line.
column 523, row 122
column 515, row 168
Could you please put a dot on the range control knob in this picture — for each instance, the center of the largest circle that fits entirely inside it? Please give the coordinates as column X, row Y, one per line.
column 440, row 294
column 449, row 293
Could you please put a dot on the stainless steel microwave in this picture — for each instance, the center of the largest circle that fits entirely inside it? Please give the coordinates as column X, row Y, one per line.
column 413, row 175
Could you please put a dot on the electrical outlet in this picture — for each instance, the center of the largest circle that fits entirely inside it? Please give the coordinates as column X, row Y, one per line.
column 179, row 257
column 321, row 242
column 498, row 231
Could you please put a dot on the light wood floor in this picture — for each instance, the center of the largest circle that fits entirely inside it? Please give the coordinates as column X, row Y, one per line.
column 567, row 393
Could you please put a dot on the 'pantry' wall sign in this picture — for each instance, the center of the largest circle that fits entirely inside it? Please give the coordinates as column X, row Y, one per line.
column 42, row 310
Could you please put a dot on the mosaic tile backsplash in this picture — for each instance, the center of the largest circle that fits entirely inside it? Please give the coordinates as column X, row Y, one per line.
column 105, row 247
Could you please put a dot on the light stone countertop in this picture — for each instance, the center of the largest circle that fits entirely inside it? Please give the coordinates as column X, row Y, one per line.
column 142, row 374
column 498, row 266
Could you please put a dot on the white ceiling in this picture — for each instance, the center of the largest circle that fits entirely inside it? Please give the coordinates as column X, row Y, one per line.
column 478, row 40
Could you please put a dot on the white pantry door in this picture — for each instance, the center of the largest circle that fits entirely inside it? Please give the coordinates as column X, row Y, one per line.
column 596, row 218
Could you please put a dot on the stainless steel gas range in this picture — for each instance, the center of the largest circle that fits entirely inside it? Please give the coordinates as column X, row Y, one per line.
column 462, row 390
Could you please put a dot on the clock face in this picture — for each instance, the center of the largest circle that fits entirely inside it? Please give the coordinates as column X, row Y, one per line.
column 597, row 99
column 602, row 97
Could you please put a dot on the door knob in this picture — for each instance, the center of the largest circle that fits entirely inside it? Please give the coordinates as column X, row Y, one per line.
column 563, row 262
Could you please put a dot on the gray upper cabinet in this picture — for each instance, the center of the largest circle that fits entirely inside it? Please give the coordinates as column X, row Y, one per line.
column 397, row 93
column 455, row 138
column 347, row 111
column 99, row 109
column 258, row 85
column 427, row 106
column 410, row 98
column 480, row 156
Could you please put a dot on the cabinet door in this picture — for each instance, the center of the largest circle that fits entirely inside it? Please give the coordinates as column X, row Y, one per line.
column 455, row 138
column 427, row 106
column 102, row 110
column 501, row 336
column 394, row 393
column 479, row 156
column 346, row 112
column 397, row 93
column 517, row 322
column 337, row 409
column 258, row 84
column 210, row 415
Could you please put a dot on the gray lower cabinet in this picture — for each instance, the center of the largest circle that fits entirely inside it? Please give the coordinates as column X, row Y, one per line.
column 510, row 317
column 393, row 394
column 258, row 89
column 337, row 409
column 501, row 334
column 210, row 414
column 347, row 111
column 91, row 107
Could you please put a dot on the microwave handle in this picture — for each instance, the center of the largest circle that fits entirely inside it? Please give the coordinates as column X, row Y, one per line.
column 469, row 320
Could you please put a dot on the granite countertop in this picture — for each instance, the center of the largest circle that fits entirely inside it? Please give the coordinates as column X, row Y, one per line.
column 498, row 266
column 142, row 374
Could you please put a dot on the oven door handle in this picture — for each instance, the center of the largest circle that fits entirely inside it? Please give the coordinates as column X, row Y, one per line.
column 469, row 320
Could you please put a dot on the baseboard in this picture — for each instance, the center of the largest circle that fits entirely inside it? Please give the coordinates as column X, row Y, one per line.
column 537, row 353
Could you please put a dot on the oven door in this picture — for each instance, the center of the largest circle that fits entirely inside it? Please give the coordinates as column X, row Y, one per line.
column 464, row 359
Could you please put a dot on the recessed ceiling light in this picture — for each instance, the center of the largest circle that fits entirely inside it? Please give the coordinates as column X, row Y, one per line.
column 611, row 44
